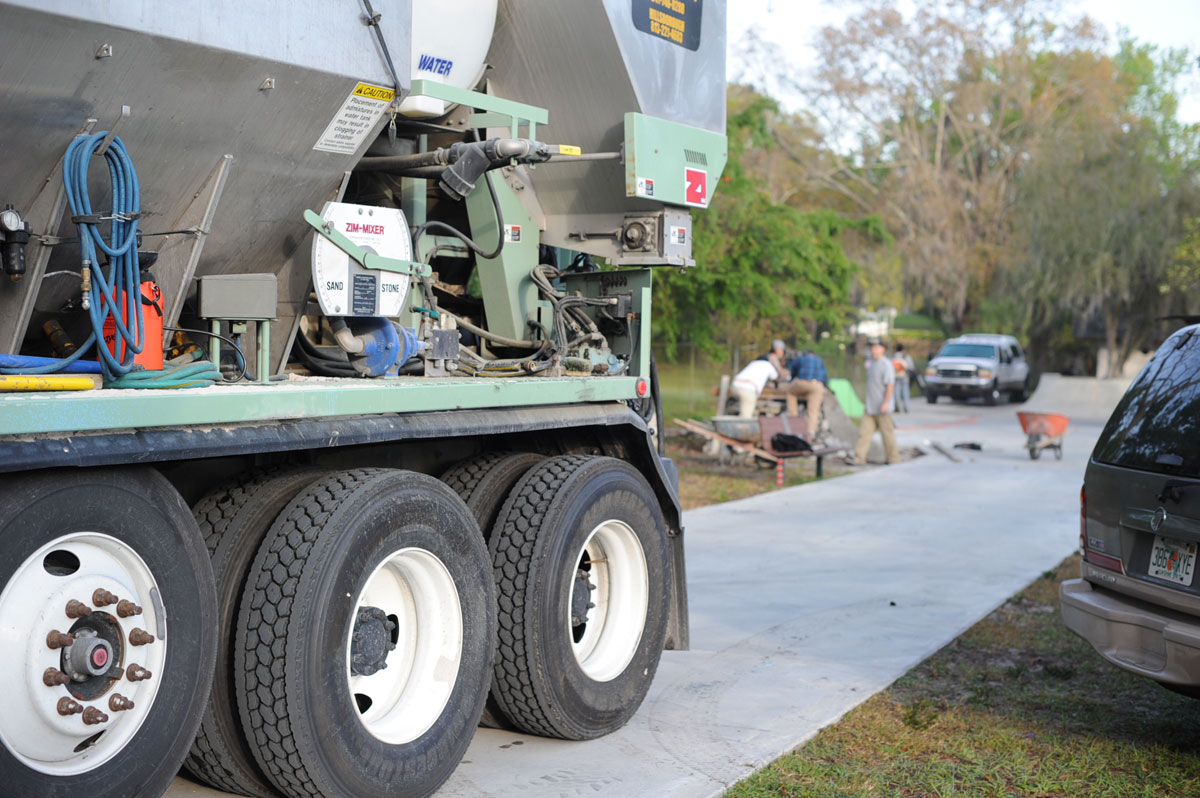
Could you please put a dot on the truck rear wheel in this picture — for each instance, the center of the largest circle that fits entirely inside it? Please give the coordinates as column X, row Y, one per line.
column 233, row 519
column 484, row 482
column 108, row 613
column 582, row 570
column 365, row 637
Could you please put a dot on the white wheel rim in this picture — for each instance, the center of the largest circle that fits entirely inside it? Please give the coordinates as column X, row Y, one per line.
column 402, row 701
column 32, row 605
column 615, row 564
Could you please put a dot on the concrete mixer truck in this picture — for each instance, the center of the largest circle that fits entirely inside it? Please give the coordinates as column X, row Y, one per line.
column 329, row 427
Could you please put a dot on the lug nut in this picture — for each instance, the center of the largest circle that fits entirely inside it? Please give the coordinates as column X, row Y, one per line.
column 136, row 673
column 76, row 609
column 102, row 598
column 53, row 677
column 57, row 639
column 127, row 609
column 92, row 716
column 140, row 637
column 119, row 703
column 68, row 707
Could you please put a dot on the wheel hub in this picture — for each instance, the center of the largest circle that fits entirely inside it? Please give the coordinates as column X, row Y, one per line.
column 90, row 655
column 581, row 597
column 61, row 714
column 371, row 641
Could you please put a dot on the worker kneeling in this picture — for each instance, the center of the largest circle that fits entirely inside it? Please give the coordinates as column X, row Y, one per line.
column 749, row 384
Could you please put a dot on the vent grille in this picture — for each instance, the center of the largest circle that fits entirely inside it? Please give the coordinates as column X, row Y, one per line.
column 695, row 158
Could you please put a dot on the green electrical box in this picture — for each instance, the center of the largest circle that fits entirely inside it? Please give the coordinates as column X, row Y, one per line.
column 672, row 163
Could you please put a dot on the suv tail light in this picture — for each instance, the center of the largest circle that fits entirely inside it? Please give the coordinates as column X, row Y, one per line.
column 1083, row 519
column 1093, row 557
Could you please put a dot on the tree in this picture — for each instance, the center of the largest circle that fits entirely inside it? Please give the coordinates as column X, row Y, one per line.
column 929, row 119
column 1102, row 214
column 766, row 268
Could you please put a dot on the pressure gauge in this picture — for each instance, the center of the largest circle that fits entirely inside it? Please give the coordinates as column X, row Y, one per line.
column 11, row 221
column 344, row 287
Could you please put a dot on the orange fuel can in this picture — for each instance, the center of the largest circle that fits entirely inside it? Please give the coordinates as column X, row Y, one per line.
column 151, row 356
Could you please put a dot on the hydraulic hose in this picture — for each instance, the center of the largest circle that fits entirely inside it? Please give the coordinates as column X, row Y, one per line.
column 123, row 275
column 199, row 374
column 28, row 362
column 120, row 282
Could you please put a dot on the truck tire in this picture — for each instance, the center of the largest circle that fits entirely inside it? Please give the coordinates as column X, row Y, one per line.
column 364, row 637
column 233, row 519
column 484, row 482
column 1021, row 394
column 577, row 528
column 931, row 397
column 992, row 396
column 122, row 543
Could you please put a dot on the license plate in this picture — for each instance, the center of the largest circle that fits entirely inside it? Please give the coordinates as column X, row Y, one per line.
column 1173, row 560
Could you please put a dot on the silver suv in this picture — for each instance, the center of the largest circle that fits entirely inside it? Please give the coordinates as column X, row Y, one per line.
column 978, row 365
column 1138, row 601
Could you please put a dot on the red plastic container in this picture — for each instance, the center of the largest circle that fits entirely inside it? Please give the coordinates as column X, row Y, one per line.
column 151, row 356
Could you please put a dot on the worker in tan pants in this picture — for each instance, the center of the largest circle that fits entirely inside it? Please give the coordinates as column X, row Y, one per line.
column 808, row 383
column 881, row 383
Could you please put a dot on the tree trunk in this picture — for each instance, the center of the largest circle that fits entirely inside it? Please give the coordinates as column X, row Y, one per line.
column 1110, row 342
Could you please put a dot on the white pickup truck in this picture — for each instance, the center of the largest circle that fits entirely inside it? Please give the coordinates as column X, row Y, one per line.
column 978, row 365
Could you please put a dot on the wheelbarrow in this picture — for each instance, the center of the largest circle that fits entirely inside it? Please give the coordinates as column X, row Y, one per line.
column 1043, row 431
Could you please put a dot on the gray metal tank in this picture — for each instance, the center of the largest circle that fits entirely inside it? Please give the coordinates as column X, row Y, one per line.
column 590, row 64
column 227, row 101
column 230, row 102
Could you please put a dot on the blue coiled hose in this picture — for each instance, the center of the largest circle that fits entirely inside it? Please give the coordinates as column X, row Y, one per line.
column 122, row 278
column 124, row 274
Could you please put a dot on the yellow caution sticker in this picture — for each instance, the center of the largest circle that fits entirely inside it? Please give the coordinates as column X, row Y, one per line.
column 374, row 92
column 569, row 149
column 356, row 119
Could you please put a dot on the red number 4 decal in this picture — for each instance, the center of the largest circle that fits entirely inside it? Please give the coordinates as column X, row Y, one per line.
column 696, row 192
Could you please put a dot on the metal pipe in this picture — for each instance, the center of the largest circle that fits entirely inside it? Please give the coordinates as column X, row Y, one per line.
column 388, row 163
column 346, row 339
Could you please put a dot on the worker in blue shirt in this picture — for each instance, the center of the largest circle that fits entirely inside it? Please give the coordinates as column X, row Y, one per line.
column 809, row 380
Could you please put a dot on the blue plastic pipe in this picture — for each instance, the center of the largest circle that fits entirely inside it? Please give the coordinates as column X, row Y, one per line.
column 26, row 361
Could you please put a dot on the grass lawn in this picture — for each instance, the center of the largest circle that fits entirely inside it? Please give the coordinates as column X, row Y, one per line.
column 687, row 389
column 1016, row 706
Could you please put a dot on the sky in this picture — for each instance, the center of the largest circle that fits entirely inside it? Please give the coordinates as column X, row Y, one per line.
column 793, row 23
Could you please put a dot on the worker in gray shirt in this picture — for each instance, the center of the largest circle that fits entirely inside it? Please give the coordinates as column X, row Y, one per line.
column 881, row 385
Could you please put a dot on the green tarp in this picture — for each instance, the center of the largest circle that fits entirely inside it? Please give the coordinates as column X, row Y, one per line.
column 847, row 398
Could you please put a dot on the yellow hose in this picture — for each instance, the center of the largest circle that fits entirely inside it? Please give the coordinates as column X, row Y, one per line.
column 32, row 383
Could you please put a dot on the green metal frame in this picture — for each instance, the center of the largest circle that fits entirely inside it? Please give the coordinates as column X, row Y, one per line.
column 496, row 111
column 662, row 151
column 78, row 411
column 368, row 260
column 510, row 298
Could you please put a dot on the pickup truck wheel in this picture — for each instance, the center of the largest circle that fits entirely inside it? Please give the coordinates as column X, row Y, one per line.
column 582, row 572
column 931, row 397
column 233, row 519
column 365, row 637
column 484, row 482
column 1022, row 393
column 108, row 618
column 993, row 395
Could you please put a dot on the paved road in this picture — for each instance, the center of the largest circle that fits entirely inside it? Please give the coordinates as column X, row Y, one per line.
column 806, row 601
